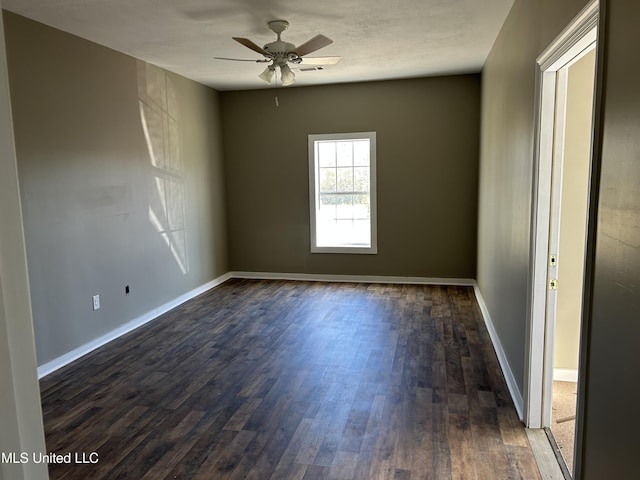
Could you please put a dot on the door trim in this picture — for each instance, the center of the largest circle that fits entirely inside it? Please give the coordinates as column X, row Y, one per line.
column 577, row 37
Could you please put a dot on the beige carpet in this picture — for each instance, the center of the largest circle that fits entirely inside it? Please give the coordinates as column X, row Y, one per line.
column 563, row 416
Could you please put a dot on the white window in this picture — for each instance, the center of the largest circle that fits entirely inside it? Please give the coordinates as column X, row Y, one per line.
column 342, row 191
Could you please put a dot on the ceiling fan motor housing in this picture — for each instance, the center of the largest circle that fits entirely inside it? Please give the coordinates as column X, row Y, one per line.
column 279, row 47
column 281, row 51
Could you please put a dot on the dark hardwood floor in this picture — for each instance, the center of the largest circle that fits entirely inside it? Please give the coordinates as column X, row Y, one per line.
column 294, row 380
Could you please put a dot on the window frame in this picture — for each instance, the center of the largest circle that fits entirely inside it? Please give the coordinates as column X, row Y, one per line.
column 314, row 192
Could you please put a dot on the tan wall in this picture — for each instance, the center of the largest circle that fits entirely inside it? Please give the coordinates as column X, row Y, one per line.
column 573, row 221
column 20, row 412
column 427, row 137
column 506, row 167
column 610, row 447
column 112, row 155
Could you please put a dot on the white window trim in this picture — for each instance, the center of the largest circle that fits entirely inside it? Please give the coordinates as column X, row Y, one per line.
column 313, row 191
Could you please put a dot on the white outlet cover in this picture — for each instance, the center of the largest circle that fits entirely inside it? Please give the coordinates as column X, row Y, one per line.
column 96, row 302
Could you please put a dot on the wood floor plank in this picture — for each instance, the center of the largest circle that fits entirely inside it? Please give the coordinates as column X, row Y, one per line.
column 287, row 380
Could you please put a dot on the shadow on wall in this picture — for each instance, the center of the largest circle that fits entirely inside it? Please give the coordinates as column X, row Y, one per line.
column 160, row 119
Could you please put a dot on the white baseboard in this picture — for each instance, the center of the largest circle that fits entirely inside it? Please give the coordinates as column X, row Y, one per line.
column 319, row 277
column 565, row 375
column 69, row 357
column 512, row 385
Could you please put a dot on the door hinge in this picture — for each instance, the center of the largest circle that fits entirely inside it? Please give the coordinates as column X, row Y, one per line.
column 553, row 284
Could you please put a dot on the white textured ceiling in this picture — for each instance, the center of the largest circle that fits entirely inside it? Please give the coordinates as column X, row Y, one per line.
column 377, row 39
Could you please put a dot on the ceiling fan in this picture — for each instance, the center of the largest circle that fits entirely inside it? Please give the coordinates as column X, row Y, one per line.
column 280, row 54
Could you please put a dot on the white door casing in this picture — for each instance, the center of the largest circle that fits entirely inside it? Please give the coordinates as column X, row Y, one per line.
column 576, row 40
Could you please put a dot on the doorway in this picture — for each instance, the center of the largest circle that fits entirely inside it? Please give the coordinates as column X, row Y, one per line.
column 567, row 241
column 559, row 227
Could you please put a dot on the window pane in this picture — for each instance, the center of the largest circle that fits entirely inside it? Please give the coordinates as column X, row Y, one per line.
column 344, row 232
column 361, row 209
column 344, row 208
column 326, row 200
column 327, row 180
column 361, row 179
column 327, row 154
column 345, row 179
column 344, row 152
column 326, row 211
column 362, row 232
column 361, row 152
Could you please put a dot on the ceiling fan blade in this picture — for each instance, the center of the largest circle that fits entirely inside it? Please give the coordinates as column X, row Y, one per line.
column 316, row 43
column 249, row 44
column 320, row 60
column 261, row 60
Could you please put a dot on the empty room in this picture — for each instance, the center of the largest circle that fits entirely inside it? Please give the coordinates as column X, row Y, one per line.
column 291, row 240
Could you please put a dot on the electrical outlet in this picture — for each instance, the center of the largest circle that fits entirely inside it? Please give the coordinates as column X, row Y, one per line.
column 96, row 302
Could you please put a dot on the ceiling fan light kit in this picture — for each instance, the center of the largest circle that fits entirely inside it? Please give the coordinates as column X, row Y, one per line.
column 268, row 74
column 280, row 53
column 286, row 76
